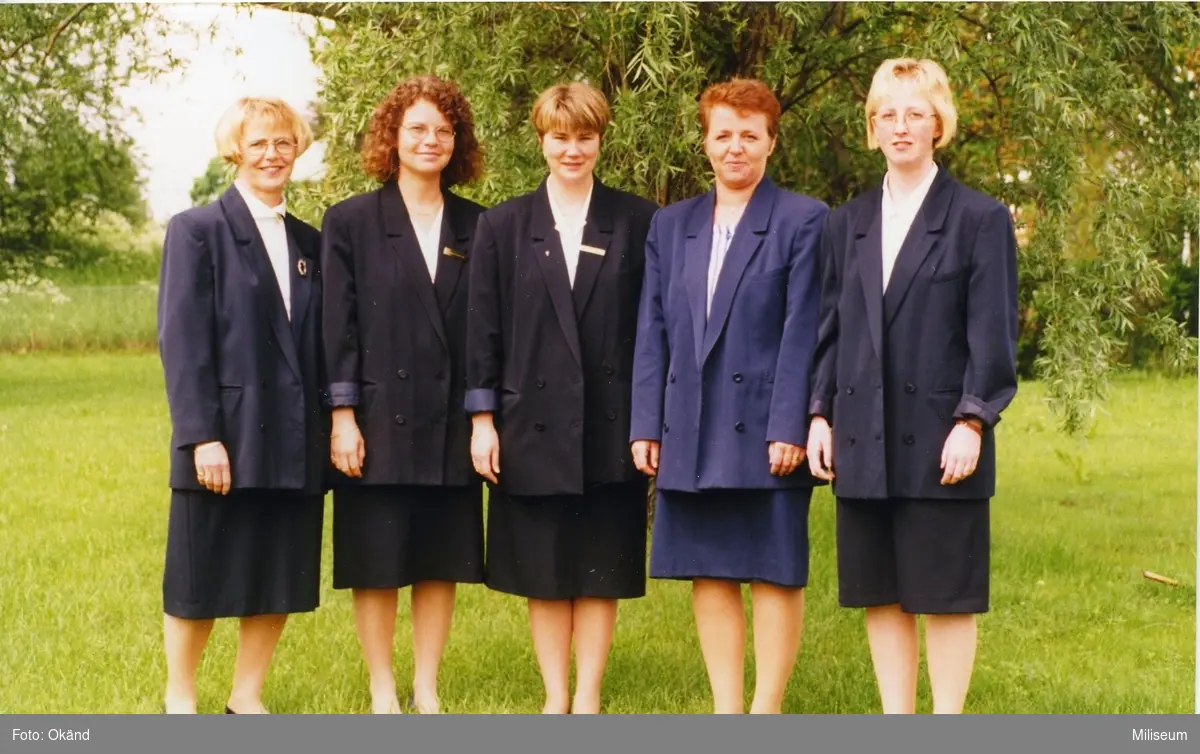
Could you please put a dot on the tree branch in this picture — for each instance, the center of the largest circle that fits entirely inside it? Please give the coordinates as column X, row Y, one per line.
column 62, row 26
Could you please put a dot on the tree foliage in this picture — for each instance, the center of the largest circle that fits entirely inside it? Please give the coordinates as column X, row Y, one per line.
column 1082, row 117
column 64, row 158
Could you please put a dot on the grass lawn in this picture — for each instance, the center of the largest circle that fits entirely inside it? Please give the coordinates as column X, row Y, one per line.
column 1074, row 626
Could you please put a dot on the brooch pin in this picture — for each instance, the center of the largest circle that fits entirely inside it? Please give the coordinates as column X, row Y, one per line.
column 302, row 268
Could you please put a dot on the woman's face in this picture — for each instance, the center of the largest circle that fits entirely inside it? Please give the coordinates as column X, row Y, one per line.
column 425, row 141
column 737, row 146
column 571, row 155
column 906, row 127
column 268, row 156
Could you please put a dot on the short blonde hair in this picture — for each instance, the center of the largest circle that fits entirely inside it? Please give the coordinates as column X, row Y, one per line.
column 232, row 126
column 571, row 107
column 932, row 84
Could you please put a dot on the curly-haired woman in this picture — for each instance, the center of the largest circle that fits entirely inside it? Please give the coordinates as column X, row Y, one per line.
column 408, row 505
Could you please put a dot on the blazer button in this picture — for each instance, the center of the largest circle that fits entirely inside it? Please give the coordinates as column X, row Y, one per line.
column 538, row 426
column 878, row 437
column 737, row 376
column 402, row 374
column 666, row 429
column 541, row 383
column 400, row 419
column 740, row 427
column 909, row 439
column 671, row 378
column 849, row 391
column 612, row 416
column 262, row 427
column 608, row 369
column 909, row 388
column 852, row 439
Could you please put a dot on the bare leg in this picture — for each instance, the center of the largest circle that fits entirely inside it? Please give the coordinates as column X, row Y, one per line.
column 721, row 627
column 550, row 623
column 778, row 624
column 375, row 619
column 892, row 634
column 594, row 623
column 432, row 613
column 257, row 637
column 184, row 642
column 950, row 642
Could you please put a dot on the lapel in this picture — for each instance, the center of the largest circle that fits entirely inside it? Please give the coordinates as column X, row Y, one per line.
column 697, row 251
column 747, row 237
column 868, row 252
column 597, row 233
column 403, row 240
column 925, row 230
column 301, row 284
column 546, row 249
column 254, row 251
column 455, row 239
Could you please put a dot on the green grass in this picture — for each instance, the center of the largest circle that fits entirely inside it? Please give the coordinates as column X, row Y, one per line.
column 1074, row 627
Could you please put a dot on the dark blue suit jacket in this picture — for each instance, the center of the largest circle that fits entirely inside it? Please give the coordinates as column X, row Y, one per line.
column 395, row 341
column 236, row 369
column 715, row 391
column 893, row 372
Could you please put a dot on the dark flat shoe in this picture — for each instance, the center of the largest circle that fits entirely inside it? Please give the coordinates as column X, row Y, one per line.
column 229, row 711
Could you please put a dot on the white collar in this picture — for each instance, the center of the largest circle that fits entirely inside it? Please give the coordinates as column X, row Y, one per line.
column 560, row 216
column 915, row 199
column 258, row 208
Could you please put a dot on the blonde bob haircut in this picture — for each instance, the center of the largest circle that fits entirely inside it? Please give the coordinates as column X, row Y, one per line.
column 931, row 83
column 232, row 126
column 575, row 107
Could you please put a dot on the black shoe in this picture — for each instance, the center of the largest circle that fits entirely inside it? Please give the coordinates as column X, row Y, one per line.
column 229, row 711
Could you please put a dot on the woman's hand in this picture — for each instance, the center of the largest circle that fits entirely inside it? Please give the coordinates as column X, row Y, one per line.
column 645, row 456
column 212, row 467
column 960, row 454
column 485, row 447
column 346, row 447
column 784, row 457
column 820, row 449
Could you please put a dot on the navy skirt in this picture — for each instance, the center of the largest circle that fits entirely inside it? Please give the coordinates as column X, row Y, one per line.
column 252, row 552
column 734, row 535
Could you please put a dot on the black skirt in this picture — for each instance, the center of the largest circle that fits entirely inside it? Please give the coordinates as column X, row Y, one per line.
column 393, row 536
column 561, row 547
column 252, row 552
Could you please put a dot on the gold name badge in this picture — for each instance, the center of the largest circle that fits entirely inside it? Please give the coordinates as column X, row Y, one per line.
column 592, row 250
column 453, row 254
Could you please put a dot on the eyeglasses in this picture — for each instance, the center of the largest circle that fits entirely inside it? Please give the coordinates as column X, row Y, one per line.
column 911, row 119
column 419, row 131
column 283, row 147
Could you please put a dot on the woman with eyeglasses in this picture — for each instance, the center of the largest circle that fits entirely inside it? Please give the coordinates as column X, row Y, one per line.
column 239, row 312
column 407, row 508
column 555, row 280
column 915, row 362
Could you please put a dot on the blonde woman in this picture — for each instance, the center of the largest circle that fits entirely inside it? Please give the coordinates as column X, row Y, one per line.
column 239, row 315
column 915, row 362
column 555, row 280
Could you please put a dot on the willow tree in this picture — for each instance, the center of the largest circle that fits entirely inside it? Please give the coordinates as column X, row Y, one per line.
column 1082, row 117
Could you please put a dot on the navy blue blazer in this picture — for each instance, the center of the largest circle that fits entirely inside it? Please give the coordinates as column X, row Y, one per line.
column 395, row 341
column 715, row 391
column 895, row 371
column 236, row 369
column 552, row 361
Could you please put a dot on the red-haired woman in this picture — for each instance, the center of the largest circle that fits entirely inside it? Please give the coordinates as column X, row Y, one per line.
column 408, row 509
column 725, row 338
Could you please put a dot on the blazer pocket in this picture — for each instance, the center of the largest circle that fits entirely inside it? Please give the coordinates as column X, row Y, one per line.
column 945, row 276
column 767, row 277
